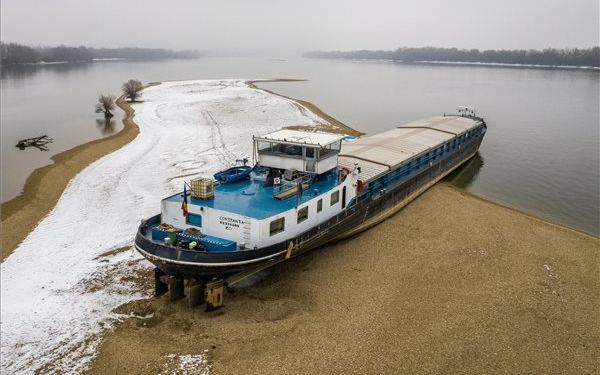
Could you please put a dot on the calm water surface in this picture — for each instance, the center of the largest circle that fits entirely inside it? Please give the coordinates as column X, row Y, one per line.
column 541, row 153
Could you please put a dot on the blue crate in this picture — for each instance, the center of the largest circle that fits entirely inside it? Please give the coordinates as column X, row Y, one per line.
column 218, row 244
column 187, row 237
column 158, row 234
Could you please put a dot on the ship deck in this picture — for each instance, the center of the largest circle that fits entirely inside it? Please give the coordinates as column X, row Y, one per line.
column 376, row 155
column 379, row 153
column 250, row 198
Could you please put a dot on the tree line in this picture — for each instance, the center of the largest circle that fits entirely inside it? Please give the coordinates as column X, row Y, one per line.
column 14, row 53
column 589, row 57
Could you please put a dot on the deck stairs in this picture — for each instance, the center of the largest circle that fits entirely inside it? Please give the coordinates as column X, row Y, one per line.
column 247, row 230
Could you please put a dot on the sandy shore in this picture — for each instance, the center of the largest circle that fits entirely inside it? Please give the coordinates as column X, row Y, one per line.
column 451, row 284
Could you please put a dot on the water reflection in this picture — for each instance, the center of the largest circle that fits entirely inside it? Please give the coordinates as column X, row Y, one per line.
column 22, row 71
column 107, row 126
column 466, row 174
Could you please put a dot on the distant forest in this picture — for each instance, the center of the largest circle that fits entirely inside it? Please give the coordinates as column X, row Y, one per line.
column 589, row 57
column 13, row 53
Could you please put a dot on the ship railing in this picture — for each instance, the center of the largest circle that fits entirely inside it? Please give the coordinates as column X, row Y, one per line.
column 288, row 188
column 468, row 112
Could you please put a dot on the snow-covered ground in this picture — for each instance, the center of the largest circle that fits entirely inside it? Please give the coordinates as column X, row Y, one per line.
column 60, row 285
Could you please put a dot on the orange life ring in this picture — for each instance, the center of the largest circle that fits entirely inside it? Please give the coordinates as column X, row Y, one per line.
column 359, row 186
column 343, row 173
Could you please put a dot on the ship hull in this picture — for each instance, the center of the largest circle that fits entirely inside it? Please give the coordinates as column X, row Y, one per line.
column 360, row 216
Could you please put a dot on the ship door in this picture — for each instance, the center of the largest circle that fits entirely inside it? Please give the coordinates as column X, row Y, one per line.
column 309, row 159
column 344, row 197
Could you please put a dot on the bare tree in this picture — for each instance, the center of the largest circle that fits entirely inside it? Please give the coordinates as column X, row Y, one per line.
column 132, row 89
column 106, row 103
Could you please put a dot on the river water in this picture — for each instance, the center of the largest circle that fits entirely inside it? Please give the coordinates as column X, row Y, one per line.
column 541, row 153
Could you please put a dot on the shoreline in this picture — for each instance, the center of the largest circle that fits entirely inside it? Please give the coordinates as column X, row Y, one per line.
column 335, row 126
column 44, row 186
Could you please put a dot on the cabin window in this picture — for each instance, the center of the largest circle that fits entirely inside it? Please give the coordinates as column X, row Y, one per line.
column 293, row 150
column 324, row 151
column 264, row 146
column 310, row 152
column 335, row 197
column 302, row 214
column 320, row 205
column 193, row 219
column 277, row 225
column 337, row 146
column 330, row 148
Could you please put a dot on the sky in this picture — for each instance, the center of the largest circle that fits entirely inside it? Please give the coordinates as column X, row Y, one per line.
column 292, row 27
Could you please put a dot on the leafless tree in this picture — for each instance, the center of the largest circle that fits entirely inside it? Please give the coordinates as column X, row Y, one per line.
column 106, row 103
column 132, row 89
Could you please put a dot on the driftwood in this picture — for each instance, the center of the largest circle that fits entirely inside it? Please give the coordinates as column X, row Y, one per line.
column 38, row 142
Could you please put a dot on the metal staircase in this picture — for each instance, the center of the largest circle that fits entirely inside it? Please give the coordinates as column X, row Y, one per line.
column 247, row 230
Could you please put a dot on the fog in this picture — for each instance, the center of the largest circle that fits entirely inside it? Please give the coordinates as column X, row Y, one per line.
column 292, row 27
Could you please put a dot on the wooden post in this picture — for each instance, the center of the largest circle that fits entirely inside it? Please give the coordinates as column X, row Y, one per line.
column 289, row 250
column 176, row 288
column 160, row 287
column 213, row 295
column 196, row 292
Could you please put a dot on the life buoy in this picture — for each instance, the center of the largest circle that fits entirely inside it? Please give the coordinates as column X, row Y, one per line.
column 359, row 186
column 343, row 173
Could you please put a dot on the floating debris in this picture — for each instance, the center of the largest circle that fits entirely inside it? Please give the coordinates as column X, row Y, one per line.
column 38, row 142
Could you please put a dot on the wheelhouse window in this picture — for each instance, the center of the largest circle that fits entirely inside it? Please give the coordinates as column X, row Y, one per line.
column 265, row 146
column 277, row 226
column 302, row 214
column 329, row 149
column 193, row 219
column 335, row 197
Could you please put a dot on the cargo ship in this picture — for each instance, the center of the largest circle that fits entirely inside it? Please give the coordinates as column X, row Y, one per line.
column 304, row 189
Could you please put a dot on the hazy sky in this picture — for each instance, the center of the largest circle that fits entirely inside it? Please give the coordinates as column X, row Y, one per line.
column 283, row 27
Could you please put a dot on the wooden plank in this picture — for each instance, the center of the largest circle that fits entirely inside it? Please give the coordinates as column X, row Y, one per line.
column 289, row 192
